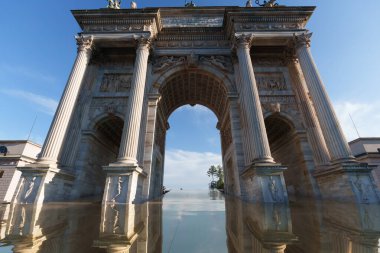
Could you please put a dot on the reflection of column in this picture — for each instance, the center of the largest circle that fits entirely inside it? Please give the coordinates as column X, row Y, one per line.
column 261, row 150
column 130, row 138
column 313, row 129
column 335, row 140
column 277, row 248
column 54, row 139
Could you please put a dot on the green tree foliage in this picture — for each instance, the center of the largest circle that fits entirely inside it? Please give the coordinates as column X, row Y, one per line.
column 216, row 171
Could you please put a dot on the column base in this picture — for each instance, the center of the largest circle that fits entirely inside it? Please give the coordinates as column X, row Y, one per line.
column 348, row 182
column 123, row 184
column 41, row 183
column 264, row 182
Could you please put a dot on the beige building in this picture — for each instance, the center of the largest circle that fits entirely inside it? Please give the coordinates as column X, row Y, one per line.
column 367, row 150
column 14, row 153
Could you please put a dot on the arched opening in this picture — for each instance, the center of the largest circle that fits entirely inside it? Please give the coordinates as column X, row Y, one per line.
column 190, row 87
column 285, row 145
column 99, row 147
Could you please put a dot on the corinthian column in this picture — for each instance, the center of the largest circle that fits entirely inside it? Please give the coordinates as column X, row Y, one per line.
column 313, row 129
column 58, row 128
column 335, row 139
column 261, row 151
column 130, row 138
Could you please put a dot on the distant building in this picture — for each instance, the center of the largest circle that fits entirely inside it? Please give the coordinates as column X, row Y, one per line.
column 367, row 150
column 12, row 154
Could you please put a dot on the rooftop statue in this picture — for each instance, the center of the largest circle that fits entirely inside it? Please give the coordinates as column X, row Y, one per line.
column 114, row 4
column 270, row 3
column 189, row 4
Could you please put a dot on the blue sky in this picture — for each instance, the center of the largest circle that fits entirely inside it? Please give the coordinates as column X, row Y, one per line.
column 38, row 50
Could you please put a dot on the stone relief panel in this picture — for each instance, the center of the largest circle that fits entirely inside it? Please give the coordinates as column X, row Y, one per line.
column 363, row 188
column 272, row 81
column 28, row 189
column 115, row 82
column 163, row 63
column 219, row 61
column 272, row 189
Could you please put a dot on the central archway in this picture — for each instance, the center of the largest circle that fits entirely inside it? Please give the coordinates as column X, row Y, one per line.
column 193, row 87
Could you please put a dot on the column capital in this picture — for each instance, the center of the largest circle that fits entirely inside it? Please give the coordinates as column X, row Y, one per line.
column 243, row 41
column 84, row 43
column 143, row 43
column 302, row 40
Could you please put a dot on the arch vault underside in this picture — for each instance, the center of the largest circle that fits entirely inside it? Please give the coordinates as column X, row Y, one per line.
column 251, row 66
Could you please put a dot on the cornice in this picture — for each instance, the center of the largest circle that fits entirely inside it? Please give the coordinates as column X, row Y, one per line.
column 119, row 21
column 266, row 19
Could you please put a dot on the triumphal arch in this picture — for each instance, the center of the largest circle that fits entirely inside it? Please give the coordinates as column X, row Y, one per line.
column 252, row 66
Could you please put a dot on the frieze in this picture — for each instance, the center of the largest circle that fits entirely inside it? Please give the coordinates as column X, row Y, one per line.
column 118, row 28
column 113, row 82
column 279, row 99
column 192, row 44
column 273, row 81
column 268, row 26
column 191, row 21
column 268, row 61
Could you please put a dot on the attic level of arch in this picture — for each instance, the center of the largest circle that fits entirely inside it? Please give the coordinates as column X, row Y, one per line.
column 202, row 27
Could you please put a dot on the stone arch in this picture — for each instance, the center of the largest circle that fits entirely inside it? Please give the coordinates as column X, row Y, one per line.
column 101, row 118
column 181, row 86
column 161, row 79
column 286, row 148
column 99, row 146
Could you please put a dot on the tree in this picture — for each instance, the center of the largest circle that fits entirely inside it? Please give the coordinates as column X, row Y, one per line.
column 220, row 176
column 212, row 171
column 218, row 172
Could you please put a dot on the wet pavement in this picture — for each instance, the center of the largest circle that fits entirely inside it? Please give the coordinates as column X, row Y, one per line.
column 191, row 221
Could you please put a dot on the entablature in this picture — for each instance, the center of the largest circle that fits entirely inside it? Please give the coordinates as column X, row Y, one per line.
column 193, row 28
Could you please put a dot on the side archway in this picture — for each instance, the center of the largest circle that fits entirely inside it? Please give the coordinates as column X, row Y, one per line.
column 99, row 146
column 286, row 147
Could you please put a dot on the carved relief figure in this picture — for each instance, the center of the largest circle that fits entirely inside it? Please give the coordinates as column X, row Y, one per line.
column 115, row 83
column 273, row 188
column 165, row 62
column 29, row 187
column 219, row 61
column 271, row 81
column 362, row 189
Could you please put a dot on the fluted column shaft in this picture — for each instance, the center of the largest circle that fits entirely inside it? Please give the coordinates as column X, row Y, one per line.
column 261, row 151
column 58, row 128
column 313, row 129
column 130, row 138
column 335, row 139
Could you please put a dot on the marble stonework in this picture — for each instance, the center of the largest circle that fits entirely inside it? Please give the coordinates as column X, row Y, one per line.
column 251, row 66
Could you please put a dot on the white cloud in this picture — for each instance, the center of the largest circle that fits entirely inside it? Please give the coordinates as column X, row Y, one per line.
column 365, row 115
column 29, row 73
column 48, row 105
column 187, row 169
